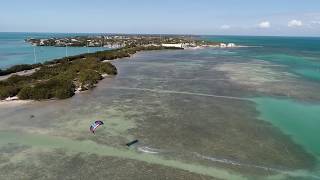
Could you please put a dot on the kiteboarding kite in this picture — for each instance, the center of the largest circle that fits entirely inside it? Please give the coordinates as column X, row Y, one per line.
column 95, row 125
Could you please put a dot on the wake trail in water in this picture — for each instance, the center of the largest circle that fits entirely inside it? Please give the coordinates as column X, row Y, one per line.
column 174, row 79
column 235, row 163
column 149, row 150
column 228, row 161
column 180, row 92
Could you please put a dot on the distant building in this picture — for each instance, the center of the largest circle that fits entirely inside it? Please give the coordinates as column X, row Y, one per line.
column 230, row 45
column 223, row 45
column 91, row 44
column 42, row 42
column 173, row 45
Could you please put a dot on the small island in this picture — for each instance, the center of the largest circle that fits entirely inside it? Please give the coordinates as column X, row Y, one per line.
column 122, row 40
column 62, row 78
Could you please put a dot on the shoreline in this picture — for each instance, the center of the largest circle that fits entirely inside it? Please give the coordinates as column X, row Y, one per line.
column 65, row 77
column 32, row 70
column 16, row 101
column 84, row 55
column 20, row 73
column 209, row 158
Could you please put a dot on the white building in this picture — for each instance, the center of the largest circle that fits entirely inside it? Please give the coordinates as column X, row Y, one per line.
column 223, row 45
column 42, row 41
column 230, row 45
column 180, row 45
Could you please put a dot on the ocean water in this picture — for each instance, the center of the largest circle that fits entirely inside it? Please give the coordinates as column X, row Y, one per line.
column 300, row 54
column 301, row 57
column 242, row 113
column 300, row 120
column 14, row 50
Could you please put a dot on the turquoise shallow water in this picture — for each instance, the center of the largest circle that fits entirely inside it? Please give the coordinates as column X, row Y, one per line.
column 297, row 55
column 309, row 73
column 301, row 55
column 306, row 67
column 300, row 120
column 14, row 50
column 192, row 74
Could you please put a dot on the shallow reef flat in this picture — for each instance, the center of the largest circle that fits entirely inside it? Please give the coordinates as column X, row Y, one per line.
column 192, row 118
column 58, row 164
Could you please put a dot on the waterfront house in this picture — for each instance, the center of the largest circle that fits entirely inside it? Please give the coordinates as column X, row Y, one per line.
column 223, row 45
column 179, row 45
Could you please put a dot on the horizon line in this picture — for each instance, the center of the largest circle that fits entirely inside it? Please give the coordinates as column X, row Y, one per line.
column 188, row 34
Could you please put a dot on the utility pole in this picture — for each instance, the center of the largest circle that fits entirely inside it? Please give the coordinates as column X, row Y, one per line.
column 88, row 46
column 67, row 44
column 66, row 49
column 34, row 54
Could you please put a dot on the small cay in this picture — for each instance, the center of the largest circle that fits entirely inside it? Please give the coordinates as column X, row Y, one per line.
column 61, row 78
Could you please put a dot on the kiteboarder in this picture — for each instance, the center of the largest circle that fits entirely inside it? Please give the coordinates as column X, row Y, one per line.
column 95, row 125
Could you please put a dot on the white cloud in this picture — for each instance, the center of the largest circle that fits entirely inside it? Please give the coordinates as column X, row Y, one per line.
column 225, row 27
column 294, row 23
column 265, row 24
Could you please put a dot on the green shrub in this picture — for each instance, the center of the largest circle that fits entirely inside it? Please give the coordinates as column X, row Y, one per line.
column 8, row 91
column 16, row 79
column 55, row 79
column 108, row 68
column 89, row 78
column 65, row 90
column 18, row 68
column 53, row 88
column 25, row 93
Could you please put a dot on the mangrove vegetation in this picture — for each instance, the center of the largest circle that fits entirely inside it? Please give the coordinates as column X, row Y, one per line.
column 61, row 78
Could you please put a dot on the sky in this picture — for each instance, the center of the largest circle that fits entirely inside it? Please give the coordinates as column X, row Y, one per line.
column 206, row 17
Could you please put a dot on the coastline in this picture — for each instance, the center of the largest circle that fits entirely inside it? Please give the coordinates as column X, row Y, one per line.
column 102, row 68
column 20, row 73
column 16, row 101
column 110, row 103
